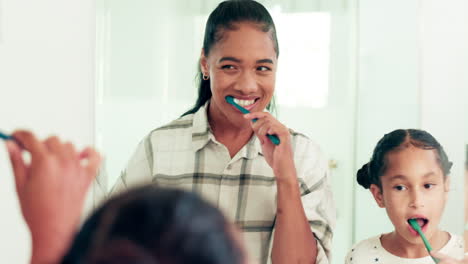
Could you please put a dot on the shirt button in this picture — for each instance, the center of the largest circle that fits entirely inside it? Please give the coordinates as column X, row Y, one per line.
column 229, row 167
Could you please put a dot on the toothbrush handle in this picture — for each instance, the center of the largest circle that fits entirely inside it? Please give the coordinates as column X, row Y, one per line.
column 273, row 138
column 5, row 136
column 426, row 243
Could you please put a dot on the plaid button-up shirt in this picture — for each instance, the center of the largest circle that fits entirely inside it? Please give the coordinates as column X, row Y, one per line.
column 185, row 154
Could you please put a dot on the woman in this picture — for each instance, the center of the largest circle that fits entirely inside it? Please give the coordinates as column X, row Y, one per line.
column 278, row 195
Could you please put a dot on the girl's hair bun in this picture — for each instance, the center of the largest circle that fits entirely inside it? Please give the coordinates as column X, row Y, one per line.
column 363, row 176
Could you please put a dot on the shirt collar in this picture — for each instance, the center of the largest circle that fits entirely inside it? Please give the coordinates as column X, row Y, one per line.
column 253, row 148
column 202, row 135
column 201, row 128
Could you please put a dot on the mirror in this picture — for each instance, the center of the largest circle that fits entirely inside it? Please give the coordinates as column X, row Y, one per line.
column 347, row 74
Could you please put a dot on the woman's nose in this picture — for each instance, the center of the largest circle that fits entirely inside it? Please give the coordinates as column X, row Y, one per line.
column 247, row 83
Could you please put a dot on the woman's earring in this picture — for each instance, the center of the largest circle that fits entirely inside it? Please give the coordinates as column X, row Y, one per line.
column 206, row 77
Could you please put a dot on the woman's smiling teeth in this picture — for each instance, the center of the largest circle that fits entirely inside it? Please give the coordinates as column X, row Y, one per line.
column 243, row 102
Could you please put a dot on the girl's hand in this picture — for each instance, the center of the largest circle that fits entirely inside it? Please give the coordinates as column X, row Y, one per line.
column 51, row 189
column 279, row 157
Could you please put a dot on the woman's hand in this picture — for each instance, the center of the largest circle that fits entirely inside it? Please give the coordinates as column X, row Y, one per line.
column 51, row 189
column 279, row 157
column 444, row 259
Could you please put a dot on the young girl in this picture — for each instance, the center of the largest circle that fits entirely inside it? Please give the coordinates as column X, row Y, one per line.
column 408, row 176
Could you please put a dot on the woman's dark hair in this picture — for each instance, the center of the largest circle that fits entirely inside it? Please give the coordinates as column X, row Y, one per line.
column 150, row 225
column 371, row 172
column 225, row 17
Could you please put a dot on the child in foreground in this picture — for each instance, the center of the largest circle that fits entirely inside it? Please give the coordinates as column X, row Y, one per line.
column 408, row 175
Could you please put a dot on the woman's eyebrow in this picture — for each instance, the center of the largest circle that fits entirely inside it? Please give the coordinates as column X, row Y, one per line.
column 230, row 59
column 239, row 61
column 265, row 61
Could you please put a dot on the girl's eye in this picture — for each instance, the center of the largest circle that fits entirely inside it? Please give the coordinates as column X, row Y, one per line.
column 263, row 68
column 429, row 185
column 399, row 188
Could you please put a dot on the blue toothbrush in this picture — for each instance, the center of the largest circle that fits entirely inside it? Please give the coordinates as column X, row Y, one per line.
column 414, row 224
column 273, row 138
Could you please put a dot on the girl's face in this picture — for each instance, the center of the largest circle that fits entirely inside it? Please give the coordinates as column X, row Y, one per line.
column 243, row 65
column 413, row 186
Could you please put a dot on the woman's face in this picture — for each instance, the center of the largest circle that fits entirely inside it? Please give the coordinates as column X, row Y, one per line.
column 242, row 65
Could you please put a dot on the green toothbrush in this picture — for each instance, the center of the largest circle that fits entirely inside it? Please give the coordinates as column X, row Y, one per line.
column 414, row 224
column 5, row 136
column 273, row 138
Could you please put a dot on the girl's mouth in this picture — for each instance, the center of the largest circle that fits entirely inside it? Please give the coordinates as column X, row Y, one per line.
column 422, row 222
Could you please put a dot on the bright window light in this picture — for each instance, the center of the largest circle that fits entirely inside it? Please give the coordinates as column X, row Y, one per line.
column 303, row 71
